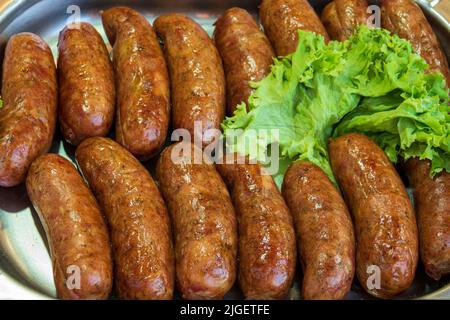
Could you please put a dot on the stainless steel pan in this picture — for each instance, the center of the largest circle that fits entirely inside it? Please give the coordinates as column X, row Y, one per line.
column 25, row 266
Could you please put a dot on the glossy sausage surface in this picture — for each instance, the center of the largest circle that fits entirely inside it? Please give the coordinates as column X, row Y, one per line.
column 246, row 54
column 341, row 18
column 281, row 20
column 86, row 84
column 267, row 250
column 325, row 239
column 142, row 82
column 385, row 224
column 205, row 229
column 137, row 217
column 75, row 229
column 432, row 202
column 196, row 74
column 405, row 18
column 28, row 115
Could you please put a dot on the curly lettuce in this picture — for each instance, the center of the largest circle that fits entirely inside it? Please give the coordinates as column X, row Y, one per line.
column 372, row 83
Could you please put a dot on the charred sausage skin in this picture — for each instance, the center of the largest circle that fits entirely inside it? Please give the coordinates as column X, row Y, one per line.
column 267, row 251
column 142, row 82
column 325, row 239
column 204, row 222
column 246, row 54
column 28, row 115
column 341, row 18
column 432, row 202
column 196, row 74
column 86, row 84
column 137, row 216
column 406, row 19
column 76, row 232
column 385, row 224
column 281, row 20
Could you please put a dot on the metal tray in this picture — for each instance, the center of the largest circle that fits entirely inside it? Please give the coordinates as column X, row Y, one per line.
column 25, row 265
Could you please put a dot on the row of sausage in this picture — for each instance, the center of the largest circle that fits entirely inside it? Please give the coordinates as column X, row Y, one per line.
column 205, row 224
column 136, row 83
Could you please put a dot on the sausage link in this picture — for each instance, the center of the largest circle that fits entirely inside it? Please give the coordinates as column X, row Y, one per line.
column 432, row 201
column 386, row 230
column 281, row 20
column 137, row 216
column 246, row 54
column 325, row 239
column 406, row 19
column 341, row 18
column 142, row 82
column 196, row 74
column 86, row 79
column 204, row 223
column 76, row 232
column 267, row 252
column 28, row 115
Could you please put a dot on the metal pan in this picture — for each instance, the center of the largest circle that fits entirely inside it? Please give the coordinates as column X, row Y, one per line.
column 25, row 266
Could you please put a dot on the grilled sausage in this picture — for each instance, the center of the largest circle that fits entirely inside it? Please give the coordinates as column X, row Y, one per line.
column 386, row 230
column 142, row 82
column 196, row 74
column 137, row 216
column 246, row 54
column 281, row 20
column 342, row 17
column 86, row 80
column 432, row 201
column 325, row 238
column 76, row 232
column 204, row 223
column 28, row 116
column 267, row 253
column 405, row 18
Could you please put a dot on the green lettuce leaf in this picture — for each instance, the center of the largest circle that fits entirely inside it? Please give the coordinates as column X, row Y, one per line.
column 372, row 83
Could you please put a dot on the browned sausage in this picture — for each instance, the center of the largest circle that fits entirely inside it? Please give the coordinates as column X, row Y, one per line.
column 325, row 239
column 385, row 225
column 246, row 54
column 342, row 17
column 432, row 201
column 196, row 74
column 76, row 232
column 142, row 82
column 138, row 219
column 86, row 79
column 281, row 20
column 405, row 18
column 28, row 115
column 267, row 252
column 204, row 223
